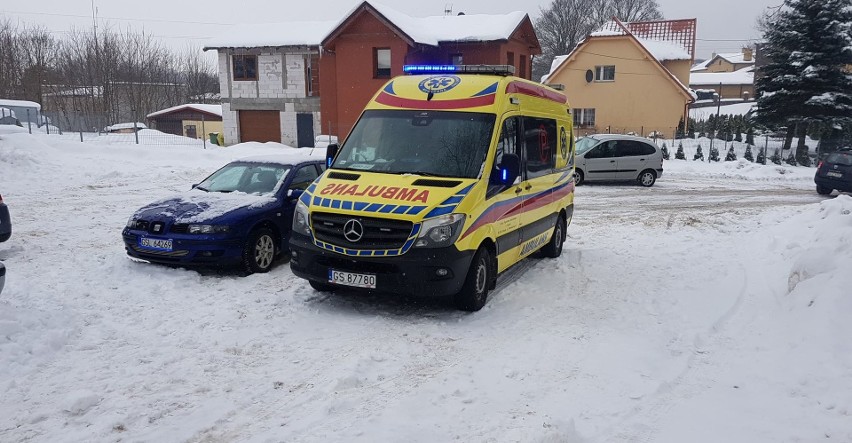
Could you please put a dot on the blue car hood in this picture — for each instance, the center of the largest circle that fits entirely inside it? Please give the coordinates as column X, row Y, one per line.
column 198, row 206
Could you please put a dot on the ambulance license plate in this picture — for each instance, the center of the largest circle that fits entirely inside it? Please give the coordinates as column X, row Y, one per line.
column 156, row 243
column 834, row 174
column 352, row 279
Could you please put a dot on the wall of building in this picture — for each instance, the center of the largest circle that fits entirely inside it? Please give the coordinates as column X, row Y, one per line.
column 347, row 71
column 203, row 128
column 280, row 86
column 640, row 99
column 729, row 91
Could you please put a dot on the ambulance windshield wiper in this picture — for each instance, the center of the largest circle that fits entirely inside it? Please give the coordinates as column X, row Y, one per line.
column 421, row 174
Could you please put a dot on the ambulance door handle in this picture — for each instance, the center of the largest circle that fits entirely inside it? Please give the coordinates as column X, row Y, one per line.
column 612, row 161
column 517, row 190
column 528, row 187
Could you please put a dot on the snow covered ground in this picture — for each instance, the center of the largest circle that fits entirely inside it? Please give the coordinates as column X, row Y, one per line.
column 711, row 307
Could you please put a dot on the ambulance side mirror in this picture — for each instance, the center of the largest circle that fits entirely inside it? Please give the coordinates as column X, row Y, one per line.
column 510, row 169
column 330, row 153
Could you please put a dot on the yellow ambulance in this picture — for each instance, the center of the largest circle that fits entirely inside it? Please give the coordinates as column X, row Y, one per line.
column 451, row 175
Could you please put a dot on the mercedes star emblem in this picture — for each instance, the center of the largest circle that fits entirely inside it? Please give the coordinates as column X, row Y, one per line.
column 353, row 230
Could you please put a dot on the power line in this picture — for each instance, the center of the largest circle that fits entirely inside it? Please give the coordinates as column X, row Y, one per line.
column 116, row 18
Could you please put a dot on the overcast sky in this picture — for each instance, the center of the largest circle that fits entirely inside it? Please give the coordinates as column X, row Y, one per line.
column 723, row 25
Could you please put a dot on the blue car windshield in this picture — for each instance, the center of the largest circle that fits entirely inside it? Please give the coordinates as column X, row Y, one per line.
column 434, row 143
column 250, row 178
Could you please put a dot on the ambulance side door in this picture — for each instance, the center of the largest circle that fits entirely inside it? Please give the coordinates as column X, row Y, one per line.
column 539, row 162
column 505, row 201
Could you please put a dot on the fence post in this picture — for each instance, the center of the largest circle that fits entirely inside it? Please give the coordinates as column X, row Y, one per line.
column 135, row 130
column 203, row 132
column 29, row 122
column 766, row 149
column 46, row 123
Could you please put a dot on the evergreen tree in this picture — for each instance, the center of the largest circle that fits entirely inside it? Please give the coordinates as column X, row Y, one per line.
column 802, row 157
column 776, row 157
column 738, row 133
column 732, row 156
column 680, row 155
column 691, row 131
column 791, row 159
column 714, row 154
column 748, row 155
column 761, row 156
column 699, row 155
column 665, row 150
column 750, row 135
column 808, row 45
column 681, row 129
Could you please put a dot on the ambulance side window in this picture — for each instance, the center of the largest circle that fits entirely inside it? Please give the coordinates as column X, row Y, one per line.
column 541, row 142
column 508, row 143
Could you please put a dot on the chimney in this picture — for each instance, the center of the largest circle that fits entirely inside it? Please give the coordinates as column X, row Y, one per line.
column 747, row 54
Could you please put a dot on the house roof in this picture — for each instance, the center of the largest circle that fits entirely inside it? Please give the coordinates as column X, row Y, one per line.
column 271, row 35
column 436, row 29
column 666, row 39
column 672, row 49
column 6, row 103
column 744, row 76
column 192, row 107
column 735, row 58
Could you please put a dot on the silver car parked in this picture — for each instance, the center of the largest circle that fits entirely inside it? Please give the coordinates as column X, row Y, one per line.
column 613, row 157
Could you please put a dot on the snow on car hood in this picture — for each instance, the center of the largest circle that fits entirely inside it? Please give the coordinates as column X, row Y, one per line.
column 198, row 206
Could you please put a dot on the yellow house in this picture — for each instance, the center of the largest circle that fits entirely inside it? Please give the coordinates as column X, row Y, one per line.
column 193, row 120
column 731, row 75
column 629, row 77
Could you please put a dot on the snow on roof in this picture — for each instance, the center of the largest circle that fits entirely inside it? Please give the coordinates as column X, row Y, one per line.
column 737, row 58
column 210, row 109
column 448, row 28
column 119, row 126
column 307, row 33
column 744, row 76
column 553, row 65
column 680, row 33
column 664, row 51
column 6, row 103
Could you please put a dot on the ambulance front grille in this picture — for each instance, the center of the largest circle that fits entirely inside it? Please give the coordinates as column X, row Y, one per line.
column 379, row 233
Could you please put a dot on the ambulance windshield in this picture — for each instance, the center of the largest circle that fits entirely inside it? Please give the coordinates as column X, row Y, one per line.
column 431, row 143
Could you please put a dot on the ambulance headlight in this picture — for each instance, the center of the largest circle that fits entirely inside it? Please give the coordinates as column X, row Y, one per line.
column 300, row 219
column 440, row 231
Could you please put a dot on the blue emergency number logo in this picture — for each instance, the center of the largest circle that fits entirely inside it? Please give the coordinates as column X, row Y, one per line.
column 439, row 84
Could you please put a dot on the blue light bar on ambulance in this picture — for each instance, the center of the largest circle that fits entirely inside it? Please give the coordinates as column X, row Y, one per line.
column 459, row 69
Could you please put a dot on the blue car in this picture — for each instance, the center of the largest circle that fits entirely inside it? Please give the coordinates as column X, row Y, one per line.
column 240, row 215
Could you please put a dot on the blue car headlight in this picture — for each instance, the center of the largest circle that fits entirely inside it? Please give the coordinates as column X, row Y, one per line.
column 131, row 222
column 440, row 231
column 208, row 229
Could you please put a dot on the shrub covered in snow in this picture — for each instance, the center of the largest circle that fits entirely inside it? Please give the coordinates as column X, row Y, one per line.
column 791, row 159
column 802, row 156
column 776, row 157
column 748, row 155
column 699, row 154
column 665, row 150
column 714, row 154
column 732, row 156
column 679, row 155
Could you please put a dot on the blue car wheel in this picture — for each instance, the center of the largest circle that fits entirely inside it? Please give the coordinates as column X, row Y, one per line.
column 260, row 251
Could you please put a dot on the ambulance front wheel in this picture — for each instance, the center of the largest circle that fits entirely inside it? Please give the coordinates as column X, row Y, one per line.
column 474, row 292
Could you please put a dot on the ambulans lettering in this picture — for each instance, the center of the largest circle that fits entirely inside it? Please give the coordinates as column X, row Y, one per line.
column 386, row 192
column 534, row 244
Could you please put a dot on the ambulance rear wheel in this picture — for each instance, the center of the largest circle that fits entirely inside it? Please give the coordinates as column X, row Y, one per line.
column 553, row 248
column 474, row 292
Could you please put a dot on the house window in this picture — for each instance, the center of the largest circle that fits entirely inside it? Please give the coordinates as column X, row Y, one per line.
column 245, row 67
column 456, row 59
column 584, row 118
column 604, row 73
column 382, row 62
column 523, row 67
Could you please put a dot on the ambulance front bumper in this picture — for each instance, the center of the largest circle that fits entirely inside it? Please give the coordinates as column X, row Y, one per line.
column 420, row 272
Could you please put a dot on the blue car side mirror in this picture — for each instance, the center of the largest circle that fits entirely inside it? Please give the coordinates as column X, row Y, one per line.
column 294, row 194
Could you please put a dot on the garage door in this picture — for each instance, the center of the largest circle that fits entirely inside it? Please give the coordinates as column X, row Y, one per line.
column 260, row 126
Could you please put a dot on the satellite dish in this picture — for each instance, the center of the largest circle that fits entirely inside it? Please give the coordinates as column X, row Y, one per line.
column 590, row 76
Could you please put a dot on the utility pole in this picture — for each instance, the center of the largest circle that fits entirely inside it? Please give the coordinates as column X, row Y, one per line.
column 718, row 109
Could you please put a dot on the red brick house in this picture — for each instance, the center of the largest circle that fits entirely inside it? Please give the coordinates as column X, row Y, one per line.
column 373, row 42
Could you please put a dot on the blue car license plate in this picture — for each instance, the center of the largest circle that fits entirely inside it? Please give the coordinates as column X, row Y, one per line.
column 159, row 244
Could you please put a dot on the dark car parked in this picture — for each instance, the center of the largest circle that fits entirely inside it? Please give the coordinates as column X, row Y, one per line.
column 835, row 172
column 5, row 233
column 5, row 221
column 240, row 215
